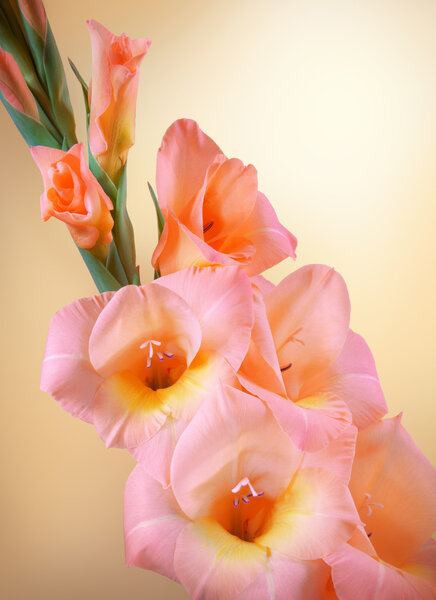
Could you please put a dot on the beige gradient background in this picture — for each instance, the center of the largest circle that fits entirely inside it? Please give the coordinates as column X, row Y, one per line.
column 334, row 103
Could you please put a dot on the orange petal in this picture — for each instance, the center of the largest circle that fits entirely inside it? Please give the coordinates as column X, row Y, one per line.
column 182, row 162
column 389, row 470
column 309, row 314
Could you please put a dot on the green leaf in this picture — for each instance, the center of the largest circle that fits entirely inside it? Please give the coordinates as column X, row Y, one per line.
column 51, row 73
column 160, row 217
column 136, row 278
column 32, row 130
column 102, row 177
column 114, row 265
column 123, row 229
column 104, row 281
column 85, row 89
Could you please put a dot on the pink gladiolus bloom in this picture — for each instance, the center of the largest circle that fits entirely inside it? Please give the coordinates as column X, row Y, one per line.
column 73, row 195
column 138, row 363
column 314, row 373
column 214, row 213
column 34, row 12
column 14, row 88
column 246, row 517
column 113, row 90
column 394, row 488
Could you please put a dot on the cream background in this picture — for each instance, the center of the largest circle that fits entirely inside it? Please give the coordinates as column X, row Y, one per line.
column 333, row 102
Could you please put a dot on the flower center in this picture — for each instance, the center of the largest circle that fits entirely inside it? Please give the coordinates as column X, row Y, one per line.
column 243, row 511
column 161, row 373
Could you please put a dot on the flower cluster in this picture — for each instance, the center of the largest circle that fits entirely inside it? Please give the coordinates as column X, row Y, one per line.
column 266, row 466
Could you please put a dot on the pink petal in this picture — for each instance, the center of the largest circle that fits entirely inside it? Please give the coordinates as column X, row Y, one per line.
column 312, row 422
column 210, row 563
column 309, row 313
column 307, row 580
column 155, row 455
column 182, row 162
column 260, row 368
column 231, row 437
column 393, row 471
column 358, row 575
column 264, row 285
column 221, row 299
column 313, row 517
column 126, row 412
column 272, row 241
column 353, row 378
column 421, row 570
column 67, row 373
column 135, row 316
column 152, row 523
column 326, row 417
column 337, row 457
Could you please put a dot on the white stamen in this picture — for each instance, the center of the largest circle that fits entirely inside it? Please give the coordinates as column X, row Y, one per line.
column 150, row 344
column 244, row 481
column 368, row 505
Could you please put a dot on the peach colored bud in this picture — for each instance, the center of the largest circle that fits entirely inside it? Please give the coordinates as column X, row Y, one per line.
column 14, row 88
column 73, row 195
column 34, row 12
column 113, row 91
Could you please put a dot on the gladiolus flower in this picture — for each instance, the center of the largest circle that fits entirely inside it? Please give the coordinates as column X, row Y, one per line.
column 14, row 88
column 73, row 195
column 248, row 517
column 394, row 488
column 112, row 93
column 137, row 363
column 314, row 373
column 214, row 213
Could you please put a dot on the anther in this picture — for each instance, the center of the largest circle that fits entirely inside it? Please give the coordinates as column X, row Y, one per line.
column 159, row 355
column 235, row 502
column 245, row 500
column 286, row 368
column 169, row 354
column 207, row 227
